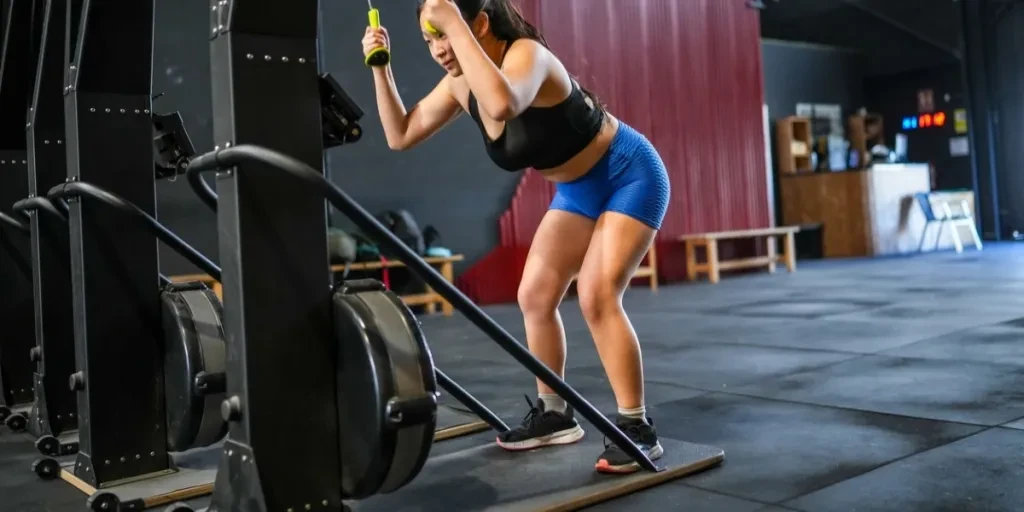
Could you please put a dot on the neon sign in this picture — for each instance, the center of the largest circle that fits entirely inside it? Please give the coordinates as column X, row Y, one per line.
column 935, row 120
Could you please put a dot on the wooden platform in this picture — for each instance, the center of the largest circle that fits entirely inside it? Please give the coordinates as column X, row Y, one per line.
column 553, row 479
column 713, row 265
column 452, row 423
column 197, row 471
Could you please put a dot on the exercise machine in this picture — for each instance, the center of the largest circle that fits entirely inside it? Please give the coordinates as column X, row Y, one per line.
column 11, row 227
column 16, row 302
column 54, row 418
column 272, row 218
column 193, row 352
column 143, row 396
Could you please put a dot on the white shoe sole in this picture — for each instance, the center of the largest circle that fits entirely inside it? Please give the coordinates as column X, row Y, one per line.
column 632, row 467
column 567, row 436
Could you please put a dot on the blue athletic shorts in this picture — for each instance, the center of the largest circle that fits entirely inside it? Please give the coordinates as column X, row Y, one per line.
column 630, row 179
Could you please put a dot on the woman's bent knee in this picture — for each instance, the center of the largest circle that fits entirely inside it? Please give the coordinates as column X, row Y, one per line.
column 538, row 300
column 599, row 300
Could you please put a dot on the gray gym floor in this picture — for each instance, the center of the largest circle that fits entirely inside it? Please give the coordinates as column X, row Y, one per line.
column 885, row 384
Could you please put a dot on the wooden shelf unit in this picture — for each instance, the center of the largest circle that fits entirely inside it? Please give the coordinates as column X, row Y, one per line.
column 862, row 131
column 794, row 143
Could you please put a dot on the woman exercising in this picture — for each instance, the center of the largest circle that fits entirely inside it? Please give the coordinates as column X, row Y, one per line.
column 612, row 193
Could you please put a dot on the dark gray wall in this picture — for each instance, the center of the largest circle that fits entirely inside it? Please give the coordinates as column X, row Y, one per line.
column 1007, row 95
column 811, row 73
column 448, row 181
column 895, row 96
column 808, row 73
column 181, row 71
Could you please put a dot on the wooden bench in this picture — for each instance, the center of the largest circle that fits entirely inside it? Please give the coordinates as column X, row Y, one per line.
column 713, row 266
column 202, row 278
column 649, row 270
column 430, row 299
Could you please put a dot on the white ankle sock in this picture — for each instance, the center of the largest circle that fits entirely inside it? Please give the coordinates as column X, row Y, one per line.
column 639, row 413
column 553, row 402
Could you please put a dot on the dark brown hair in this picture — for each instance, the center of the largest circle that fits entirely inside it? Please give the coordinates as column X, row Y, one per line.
column 507, row 25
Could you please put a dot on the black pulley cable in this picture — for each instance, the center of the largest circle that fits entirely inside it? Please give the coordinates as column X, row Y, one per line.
column 15, row 223
column 464, row 397
column 203, row 190
column 36, row 203
column 233, row 156
column 78, row 188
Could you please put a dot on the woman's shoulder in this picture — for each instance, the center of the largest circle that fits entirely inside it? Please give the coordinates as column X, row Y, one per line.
column 533, row 53
column 527, row 48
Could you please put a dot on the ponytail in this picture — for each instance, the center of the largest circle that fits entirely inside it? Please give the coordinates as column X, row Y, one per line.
column 508, row 24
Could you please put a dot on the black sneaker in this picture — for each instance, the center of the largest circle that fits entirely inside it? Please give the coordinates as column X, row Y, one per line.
column 542, row 428
column 614, row 460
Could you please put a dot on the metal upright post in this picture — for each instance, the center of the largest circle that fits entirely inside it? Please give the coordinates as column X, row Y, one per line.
column 55, row 410
column 16, row 308
column 981, row 104
column 119, row 377
column 281, row 366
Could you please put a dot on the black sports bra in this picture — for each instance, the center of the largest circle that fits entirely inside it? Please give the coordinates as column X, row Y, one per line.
column 543, row 137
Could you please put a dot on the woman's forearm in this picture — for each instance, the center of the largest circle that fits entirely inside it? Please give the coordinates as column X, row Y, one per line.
column 489, row 86
column 393, row 115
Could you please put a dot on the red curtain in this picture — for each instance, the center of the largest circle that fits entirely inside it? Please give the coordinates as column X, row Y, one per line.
column 685, row 73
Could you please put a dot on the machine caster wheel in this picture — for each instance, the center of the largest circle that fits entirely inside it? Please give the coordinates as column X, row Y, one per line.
column 103, row 502
column 179, row 507
column 17, row 422
column 47, row 469
column 4, row 412
column 48, row 445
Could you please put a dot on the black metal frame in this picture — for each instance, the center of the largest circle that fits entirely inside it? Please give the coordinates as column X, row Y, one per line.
column 16, row 301
column 119, row 378
column 281, row 366
column 977, row 20
column 55, row 410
